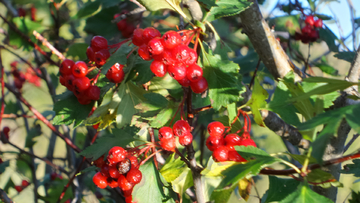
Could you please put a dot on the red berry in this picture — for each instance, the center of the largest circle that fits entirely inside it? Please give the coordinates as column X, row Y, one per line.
column 221, row 154
column 112, row 183
column 18, row 188
column 149, row 33
column 199, row 86
column 306, row 30
column 62, row 80
column 53, row 175
column 194, row 73
column 33, row 13
column 213, row 142
column 6, row 130
column 144, row 52
column 98, row 43
column 309, row 20
column 69, row 82
column 134, row 161
column 90, row 53
column 185, row 82
column 21, row 12
column 93, row 92
column 124, row 166
column 181, row 128
column 313, row 35
column 24, row 183
column 232, row 140
column 79, row 69
column 66, row 67
column 247, row 142
column 100, row 180
column 167, row 57
column 235, row 156
column 165, row 133
column 99, row 162
column 116, row 77
column 121, row 25
column 96, row 126
column 171, row 39
column 124, row 184
column 128, row 199
column 81, row 84
column 113, row 172
column 181, row 53
column 192, row 57
column 318, row 23
column 186, row 139
column 158, row 68
column 155, row 46
column 128, row 31
column 127, row 193
column 101, row 57
column 216, row 129
column 137, row 38
column 84, row 100
column 168, row 144
column 134, row 176
column 116, row 154
column 105, row 170
column 177, row 71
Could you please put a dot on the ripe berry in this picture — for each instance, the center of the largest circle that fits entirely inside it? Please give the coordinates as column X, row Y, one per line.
column 93, row 92
column 235, row 156
column 100, row 180
column 127, row 193
column 221, row 154
column 124, row 166
column 185, row 82
column 194, row 73
column 101, row 57
column 105, row 170
column 177, row 71
column 144, row 52
column 124, row 184
column 215, row 128
column 66, row 67
column 62, row 80
column 313, row 35
column 192, row 57
column 116, row 77
column 213, row 142
column 186, row 139
column 232, row 140
column 158, row 68
column 112, row 183
column 181, row 53
column 155, row 46
column 171, row 39
column 79, row 69
column 113, row 172
column 98, row 43
column 247, row 142
column 116, row 154
column 134, row 161
column 165, row 133
column 199, row 86
column 306, row 30
column 21, row 12
column 81, row 84
column 181, row 128
column 6, row 130
column 318, row 23
column 168, row 144
column 69, row 82
column 18, row 188
column 310, row 20
column 149, row 33
column 99, row 162
column 128, row 30
column 24, row 183
column 90, row 53
column 137, row 38
column 134, row 176
column 128, row 199
column 84, row 100
column 121, row 24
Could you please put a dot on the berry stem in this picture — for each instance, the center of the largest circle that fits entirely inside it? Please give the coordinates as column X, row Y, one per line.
column 46, row 43
column 147, row 158
column 152, row 139
column 176, row 8
column 2, row 90
column 118, row 45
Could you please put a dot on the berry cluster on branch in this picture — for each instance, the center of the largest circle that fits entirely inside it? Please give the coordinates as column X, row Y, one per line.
column 310, row 32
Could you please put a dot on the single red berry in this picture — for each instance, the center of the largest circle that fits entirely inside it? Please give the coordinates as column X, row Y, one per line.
column 100, row 162
column 247, row 142
column 66, row 67
column 144, row 52
column 128, row 31
column 177, row 71
column 112, row 183
column 181, row 128
column 155, row 46
column 90, row 53
column 101, row 57
column 127, row 193
column 93, row 92
column 96, row 126
column 21, row 12
column 134, row 176
column 199, row 86
column 213, row 142
column 105, row 170
column 116, row 154
column 180, row 53
column 137, row 38
column 24, row 183
column 33, row 13
column 134, row 161
column 158, row 68
column 305, row 39
column 113, row 172
column 81, row 84
column 124, row 184
column 313, row 35
column 221, row 154
column 235, row 156
column 165, row 133
column 215, row 128
column 84, row 100
column 116, row 77
column 128, row 199
column 100, row 180
column 6, row 130
column 171, row 39
column 309, row 20
column 124, row 166
column 121, row 25
column 79, row 69
column 232, row 140
column 69, row 82
column 192, row 57
column 194, row 73
column 53, row 175
column 167, row 57
column 168, row 144
column 98, row 43
column 18, row 188
column 186, row 139
column 306, row 30
column 149, row 33
column 68, row 201
column 318, row 23
column 185, row 82
column 62, row 80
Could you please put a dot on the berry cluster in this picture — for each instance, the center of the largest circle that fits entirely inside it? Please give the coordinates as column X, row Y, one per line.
column 23, row 185
column 124, row 27
column 19, row 77
column 98, row 50
column 309, row 33
column 22, row 12
column 222, row 144
column 171, row 55
column 73, row 77
column 121, row 169
column 180, row 129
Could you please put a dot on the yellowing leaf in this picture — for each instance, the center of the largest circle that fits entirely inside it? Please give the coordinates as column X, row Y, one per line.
column 244, row 188
column 257, row 101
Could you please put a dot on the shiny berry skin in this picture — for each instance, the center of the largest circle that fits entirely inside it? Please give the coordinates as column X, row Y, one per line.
column 186, row 139
column 24, row 183
column 177, row 71
column 194, row 73
column 192, row 57
column 18, row 188
column 232, row 140
column 134, row 176
column 235, row 156
column 96, row 126
column 213, row 143
column 185, row 82
column 116, row 154
column 128, row 199
column 144, row 52
column 112, row 183
column 171, row 39
column 62, row 80
column 181, row 53
column 247, row 142
column 168, row 144
column 318, row 23
column 113, row 172
column 220, row 154
column 124, row 184
column 158, row 68
column 98, row 43
column 150, row 33
column 69, row 82
column 81, row 84
column 90, row 53
column 116, row 77
column 306, row 30
column 134, row 161
column 165, row 133
column 155, row 46
column 66, row 67
column 101, row 57
column 137, row 38
column 93, row 92
column 199, row 86
column 181, row 128
column 124, row 166
column 79, row 69
column 100, row 180
column 167, row 57
column 215, row 128
column 309, row 20
column 121, row 25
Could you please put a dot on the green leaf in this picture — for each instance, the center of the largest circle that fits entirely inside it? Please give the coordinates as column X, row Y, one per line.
column 301, row 158
column 352, row 168
column 3, row 166
column 100, row 24
column 222, row 195
column 222, row 76
column 305, row 194
column 183, row 181
column 207, row 3
column 172, row 168
column 86, row 170
column 32, row 133
column 326, row 68
column 55, row 190
column 69, row 110
column 226, row 8
column 118, row 137
column 118, row 57
column 141, row 71
column 279, row 188
column 154, row 5
column 78, row 51
column 257, row 102
column 323, row 179
column 153, row 102
column 355, row 197
column 346, row 55
column 87, row 9
column 288, row 23
column 329, row 37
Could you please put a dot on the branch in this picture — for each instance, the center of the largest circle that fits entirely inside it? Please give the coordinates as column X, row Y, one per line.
column 48, row 45
column 4, row 197
column 354, row 74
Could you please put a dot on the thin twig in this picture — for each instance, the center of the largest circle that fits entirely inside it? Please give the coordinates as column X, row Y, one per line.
column 4, row 197
column 2, row 110
column 351, row 142
column 352, row 12
column 46, row 43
